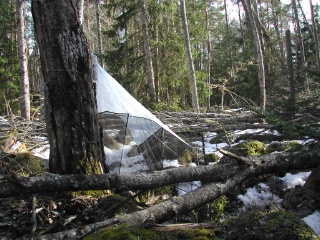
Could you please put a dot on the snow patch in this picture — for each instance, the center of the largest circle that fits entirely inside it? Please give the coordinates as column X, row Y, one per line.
column 313, row 221
column 259, row 195
column 186, row 187
column 292, row 180
column 170, row 163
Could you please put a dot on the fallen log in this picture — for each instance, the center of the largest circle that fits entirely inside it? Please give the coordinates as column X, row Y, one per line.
column 270, row 163
column 13, row 185
column 201, row 196
column 209, row 127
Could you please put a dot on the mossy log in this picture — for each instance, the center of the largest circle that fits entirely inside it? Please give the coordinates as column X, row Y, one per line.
column 252, row 166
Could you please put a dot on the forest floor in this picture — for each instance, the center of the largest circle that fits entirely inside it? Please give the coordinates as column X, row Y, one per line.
column 246, row 207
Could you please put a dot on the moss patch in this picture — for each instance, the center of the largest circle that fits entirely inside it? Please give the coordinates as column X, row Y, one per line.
column 111, row 201
column 250, row 148
column 211, row 158
column 275, row 225
column 92, row 193
column 282, row 146
column 186, row 158
column 212, row 211
column 25, row 164
column 283, row 225
column 122, row 232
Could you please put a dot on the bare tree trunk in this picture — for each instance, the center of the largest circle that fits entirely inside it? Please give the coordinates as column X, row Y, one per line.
column 97, row 4
column 290, row 74
column 209, row 55
column 260, row 59
column 299, row 33
column 147, row 51
column 71, row 116
column 193, row 82
column 315, row 36
column 22, row 50
column 80, row 7
column 277, row 22
column 301, row 60
column 156, row 59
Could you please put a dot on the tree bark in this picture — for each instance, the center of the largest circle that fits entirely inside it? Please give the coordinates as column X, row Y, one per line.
column 97, row 5
column 80, row 6
column 192, row 75
column 260, row 59
column 298, row 32
column 209, row 54
column 22, row 51
column 147, row 51
column 71, row 116
column 315, row 36
column 156, row 57
column 291, row 77
column 251, row 166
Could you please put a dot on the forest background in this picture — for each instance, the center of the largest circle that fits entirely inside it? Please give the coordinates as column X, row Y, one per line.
column 222, row 43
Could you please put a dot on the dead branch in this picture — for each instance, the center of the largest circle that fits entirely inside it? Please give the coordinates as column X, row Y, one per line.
column 241, row 160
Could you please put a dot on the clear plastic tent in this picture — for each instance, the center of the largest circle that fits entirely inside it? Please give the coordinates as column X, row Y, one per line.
column 134, row 139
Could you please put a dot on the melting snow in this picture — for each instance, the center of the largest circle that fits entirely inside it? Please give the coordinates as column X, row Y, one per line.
column 313, row 221
column 170, row 163
column 259, row 196
column 185, row 187
column 292, row 180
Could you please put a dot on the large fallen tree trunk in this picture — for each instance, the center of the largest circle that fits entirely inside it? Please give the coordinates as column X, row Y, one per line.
column 272, row 163
column 201, row 196
column 13, row 185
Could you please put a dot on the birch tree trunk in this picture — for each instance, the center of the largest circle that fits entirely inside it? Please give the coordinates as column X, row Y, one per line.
column 22, row 51
column 290, row 74
column 80, row 7
column 99, row 32
column 193, row 82
column 156, row 59
column 277, row 22
column 147, row 51
column 71, row 116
